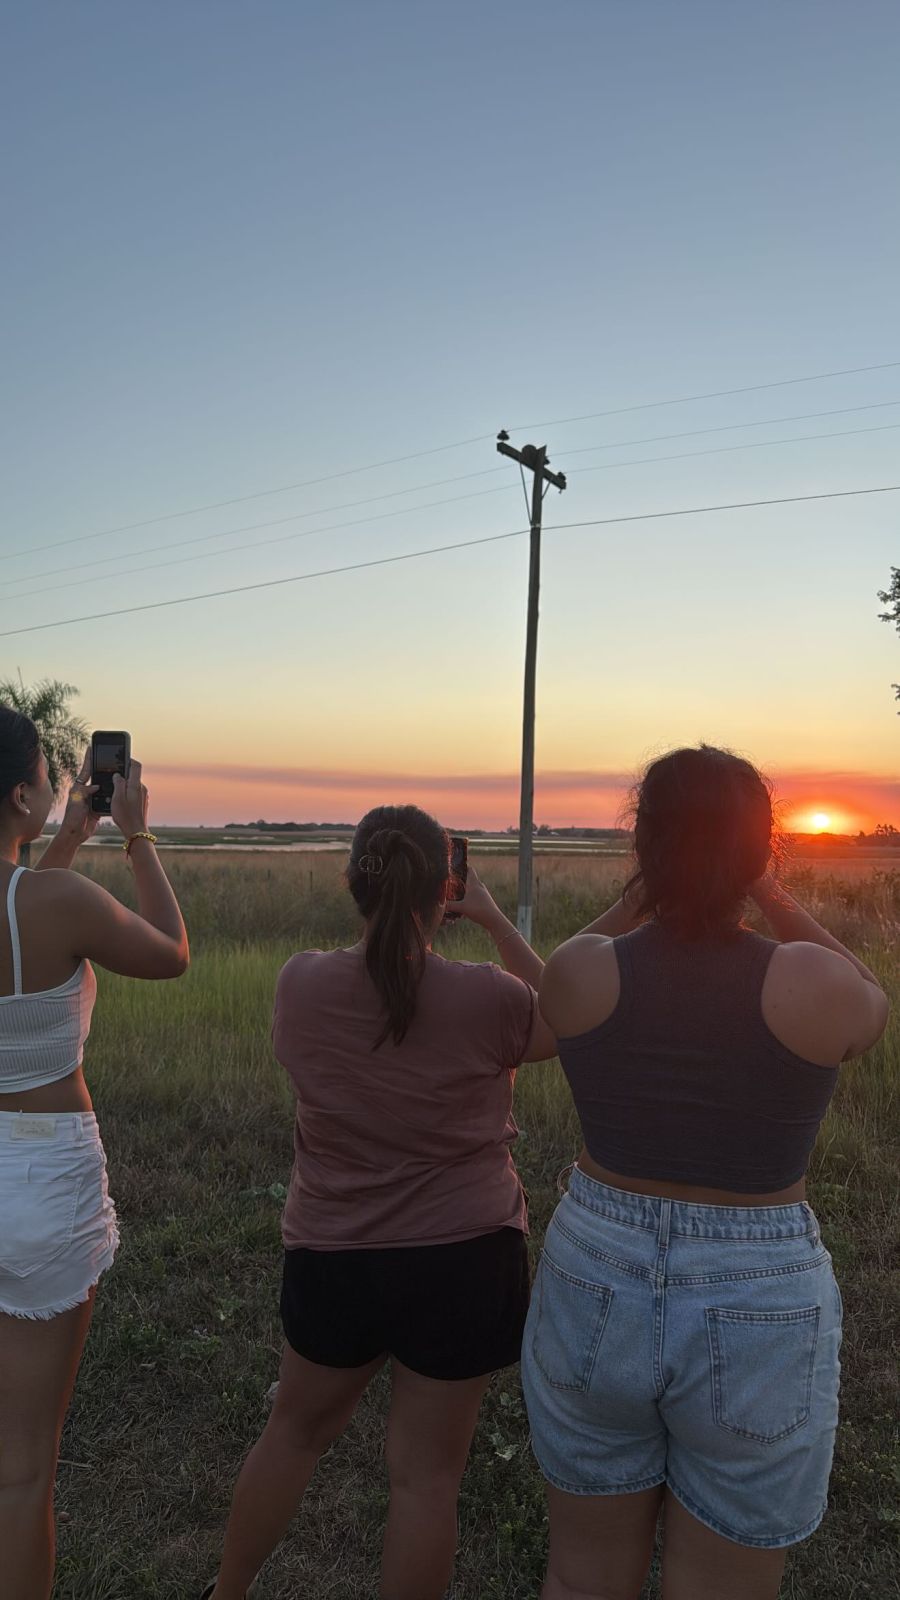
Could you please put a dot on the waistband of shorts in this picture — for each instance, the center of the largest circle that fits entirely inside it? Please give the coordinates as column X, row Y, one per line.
column 61, row 1128
column 679, row 1217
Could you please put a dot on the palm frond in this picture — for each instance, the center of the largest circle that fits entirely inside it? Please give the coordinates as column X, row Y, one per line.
column 63, row 736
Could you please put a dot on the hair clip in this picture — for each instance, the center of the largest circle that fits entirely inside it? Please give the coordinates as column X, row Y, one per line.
column 371, row 865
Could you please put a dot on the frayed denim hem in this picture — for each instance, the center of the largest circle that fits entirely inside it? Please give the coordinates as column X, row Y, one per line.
column 47, row 1313
column 779, row 1542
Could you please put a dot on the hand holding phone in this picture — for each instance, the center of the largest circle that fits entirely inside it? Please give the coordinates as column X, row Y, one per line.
column 130, row 802
column 477, row 903
column 110, row 754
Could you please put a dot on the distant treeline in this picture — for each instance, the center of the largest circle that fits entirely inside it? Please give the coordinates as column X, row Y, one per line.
column 541, row 832
column 885, row 835
column 293, row 827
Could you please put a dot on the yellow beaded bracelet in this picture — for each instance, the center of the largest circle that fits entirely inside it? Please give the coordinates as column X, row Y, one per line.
column 129, row 842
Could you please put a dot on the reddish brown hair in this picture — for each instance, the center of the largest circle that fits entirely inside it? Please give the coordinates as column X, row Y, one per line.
column 702, row 835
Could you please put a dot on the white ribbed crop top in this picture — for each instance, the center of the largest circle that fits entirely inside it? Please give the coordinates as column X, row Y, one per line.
column 42, row 1035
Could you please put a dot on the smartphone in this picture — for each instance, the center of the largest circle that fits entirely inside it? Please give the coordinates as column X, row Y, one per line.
column 459, row 867
column 110, row 753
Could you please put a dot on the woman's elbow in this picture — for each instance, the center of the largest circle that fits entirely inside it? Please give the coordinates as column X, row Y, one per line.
column 176, row 963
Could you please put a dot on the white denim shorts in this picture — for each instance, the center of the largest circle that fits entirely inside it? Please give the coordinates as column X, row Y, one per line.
column 58, row 1228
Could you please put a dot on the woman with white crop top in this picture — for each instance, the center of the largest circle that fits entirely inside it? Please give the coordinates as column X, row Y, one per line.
column 57, row 1223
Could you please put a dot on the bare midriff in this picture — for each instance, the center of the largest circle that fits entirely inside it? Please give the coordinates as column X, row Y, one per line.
column 66, row 1094
column 692, row 1193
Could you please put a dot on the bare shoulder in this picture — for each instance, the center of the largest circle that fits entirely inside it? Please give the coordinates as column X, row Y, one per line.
column 58, row 888
column 811, row 969
column 819, row 1006
column 580, row 984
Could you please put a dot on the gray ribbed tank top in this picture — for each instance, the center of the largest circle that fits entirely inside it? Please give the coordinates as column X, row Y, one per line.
column 685, row 1082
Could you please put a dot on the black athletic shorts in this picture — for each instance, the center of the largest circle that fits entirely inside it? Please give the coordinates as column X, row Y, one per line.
column 444, row 1310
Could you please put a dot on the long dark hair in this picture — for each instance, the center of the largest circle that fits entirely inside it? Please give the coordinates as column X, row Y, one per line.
column 20, row 750
column 398, row 871
column 702, row 835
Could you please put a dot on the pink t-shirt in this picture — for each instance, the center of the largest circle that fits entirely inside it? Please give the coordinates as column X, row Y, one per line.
column 408, row 1144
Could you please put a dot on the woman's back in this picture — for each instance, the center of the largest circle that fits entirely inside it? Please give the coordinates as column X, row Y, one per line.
column 685, row 1081
column 407, row 1142
column 43, row 1026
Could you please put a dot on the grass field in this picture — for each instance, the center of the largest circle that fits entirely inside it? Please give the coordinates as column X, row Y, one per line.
column 197, row 1121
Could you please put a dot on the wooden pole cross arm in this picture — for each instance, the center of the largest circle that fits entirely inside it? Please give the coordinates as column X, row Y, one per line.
column 527, row 457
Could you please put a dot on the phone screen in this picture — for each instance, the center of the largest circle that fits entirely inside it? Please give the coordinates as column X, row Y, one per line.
column 110, row 753
column 108, row 758
column 459, row 866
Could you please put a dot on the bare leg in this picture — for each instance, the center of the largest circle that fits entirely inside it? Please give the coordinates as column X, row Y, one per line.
column 700, row 1565
column 312, row 1407
column 38, row 1363
column 600, row 1545
column 429, row 1433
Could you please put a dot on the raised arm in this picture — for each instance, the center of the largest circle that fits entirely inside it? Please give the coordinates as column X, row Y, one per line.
column 151, row 943
column 78, row 824
column 514, row 952
column 852, row 988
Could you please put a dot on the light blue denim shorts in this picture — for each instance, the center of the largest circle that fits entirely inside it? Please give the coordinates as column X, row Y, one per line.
column 696, row 1346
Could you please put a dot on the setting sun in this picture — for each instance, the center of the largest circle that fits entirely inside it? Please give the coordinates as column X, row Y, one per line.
column 820, row 821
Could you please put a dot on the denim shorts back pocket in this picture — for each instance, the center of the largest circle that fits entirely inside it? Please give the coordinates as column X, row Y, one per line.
column 568, row 1325
column 761, row 1365
column 39, row 1213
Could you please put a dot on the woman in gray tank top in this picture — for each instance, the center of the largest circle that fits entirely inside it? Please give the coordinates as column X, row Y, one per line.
column 681, row 1352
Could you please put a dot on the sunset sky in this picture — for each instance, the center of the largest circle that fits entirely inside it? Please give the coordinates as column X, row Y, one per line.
column 255, row 246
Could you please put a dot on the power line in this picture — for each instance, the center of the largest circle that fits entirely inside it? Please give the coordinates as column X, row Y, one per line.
column 713, row 394
column 733, row 505
column 241, row 499
column 253, row 527
column 726, row 449
column 275, row 522
column 259, row 544
column 459, row 444
column 463, row 544
column 731, row 427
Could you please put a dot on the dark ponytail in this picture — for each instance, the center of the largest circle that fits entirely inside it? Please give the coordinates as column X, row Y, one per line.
column 398, row 871
column 20, row 750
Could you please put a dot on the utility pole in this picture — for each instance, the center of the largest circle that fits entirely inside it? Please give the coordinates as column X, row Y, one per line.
column 535, row 458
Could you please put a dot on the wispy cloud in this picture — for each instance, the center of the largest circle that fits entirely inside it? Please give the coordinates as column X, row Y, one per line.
column 366, row 782
column 221, row 791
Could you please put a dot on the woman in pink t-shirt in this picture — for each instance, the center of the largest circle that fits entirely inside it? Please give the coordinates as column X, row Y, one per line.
column 404, row 1228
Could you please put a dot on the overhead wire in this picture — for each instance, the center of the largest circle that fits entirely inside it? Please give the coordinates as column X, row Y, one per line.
column 463, row 544
column 275, row 522
column 726, row 449
column 732, row 427
column 258, row 494
column 373, row 500
column 258, row 544
column 417, row 455
column 712, row 394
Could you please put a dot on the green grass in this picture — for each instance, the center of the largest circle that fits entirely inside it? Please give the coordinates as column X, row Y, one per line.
column 197, row 1122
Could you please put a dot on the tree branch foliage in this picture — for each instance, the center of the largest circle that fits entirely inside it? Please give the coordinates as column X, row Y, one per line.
column 891, row 598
